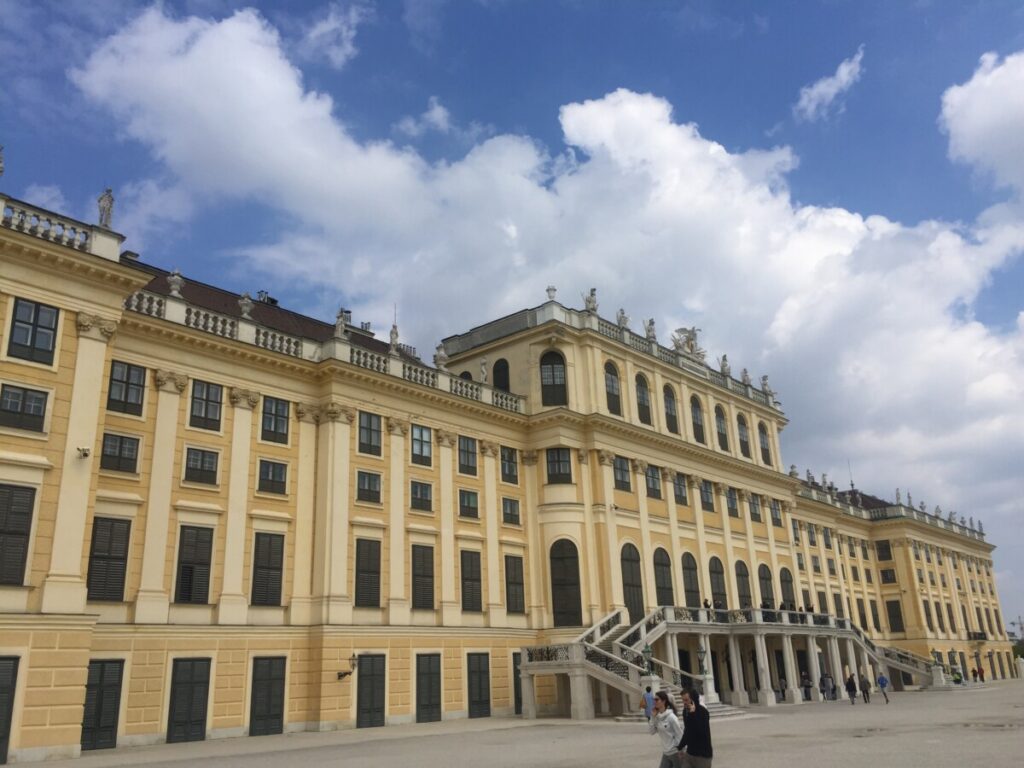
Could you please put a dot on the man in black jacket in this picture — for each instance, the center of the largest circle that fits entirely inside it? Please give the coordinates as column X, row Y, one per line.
column 695, row 746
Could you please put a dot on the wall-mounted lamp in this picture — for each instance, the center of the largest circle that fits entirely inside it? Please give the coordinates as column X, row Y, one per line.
column 84, row 452
column 352, row 660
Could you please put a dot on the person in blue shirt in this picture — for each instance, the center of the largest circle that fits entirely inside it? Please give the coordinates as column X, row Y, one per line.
column 648, row 703
column 883, row 683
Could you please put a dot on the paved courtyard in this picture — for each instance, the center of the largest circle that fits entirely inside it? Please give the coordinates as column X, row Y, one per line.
column 983, row 726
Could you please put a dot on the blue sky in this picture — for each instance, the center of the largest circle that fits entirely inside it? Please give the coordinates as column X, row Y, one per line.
column 860, row 243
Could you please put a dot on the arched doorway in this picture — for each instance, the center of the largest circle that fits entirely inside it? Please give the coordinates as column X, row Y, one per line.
column 632, row 583
column 743, row 585
column 566, row 604
column 663, row 577
column 691, row 582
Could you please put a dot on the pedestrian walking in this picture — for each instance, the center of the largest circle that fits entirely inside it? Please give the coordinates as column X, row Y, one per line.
column 865, row 688
column 647, row 703
column 981, row 674
column 665, row 723
column 828, row 687
column 883, row 683
column 805, row 683
column 974, row 675
column 851, row 689
column 695, row 747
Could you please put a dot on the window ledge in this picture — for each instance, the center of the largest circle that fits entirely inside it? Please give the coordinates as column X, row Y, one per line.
column 24, row 459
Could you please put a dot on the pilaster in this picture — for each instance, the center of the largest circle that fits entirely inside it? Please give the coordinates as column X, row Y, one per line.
column 616, row 598
column 538, row 608
column 593, row 579
column 451, row 611
column 330, row 558
column 495, row 605
column 300, row 605
column 399, row 605
column 646, row 552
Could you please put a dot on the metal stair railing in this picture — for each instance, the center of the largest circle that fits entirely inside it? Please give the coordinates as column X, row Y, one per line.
column 600, row 628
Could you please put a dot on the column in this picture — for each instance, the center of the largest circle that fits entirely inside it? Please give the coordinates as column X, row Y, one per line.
column 152, row 601
column 233, row 606
column 721, row 508
column 738, row 697
column 64, row 589
column 851, row 656
column 451, row 611
column 398, row 601
column 865, row 665
column 835, row 663
column 646, row 551
column 580, row 696
column 607, row 459
column 792, row 693
column 668, row 491
column 594, row 601
column 710, row 684
column 495, row 606
column 300, row 606
column 765, row 694
column 813, row 669
column 529, row 696
column 330, row 559
column 693, row 486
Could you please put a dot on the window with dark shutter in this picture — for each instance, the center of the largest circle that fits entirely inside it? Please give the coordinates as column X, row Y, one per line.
column 643, row 400
column 611, row 389
column 22, row 408
column 653, row 478
column 679, row 488
column 467, row 455
column 120, row 453
column 470, row 573
column 368, row 486
column 671, row 419
column 707, row 496
column 515, row 599
column 664, row 591
column 206, row 405
column 766, row 451
column 267, row 566
column 553, row 390
column 509, row 465
column 126, row 388
column 16, row 503
column 367, row 573
column 422, row 577
column 510, row 511
column 275, row 420
column 741, row 427
column 195, row 547
column 369, row 433
column 108, row 558
column 33, row 331
column 469, row 503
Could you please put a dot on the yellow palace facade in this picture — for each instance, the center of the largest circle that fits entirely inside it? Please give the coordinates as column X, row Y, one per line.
column 221, row 518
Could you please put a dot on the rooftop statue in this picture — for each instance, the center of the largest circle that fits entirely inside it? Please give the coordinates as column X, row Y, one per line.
column 767, row 389
column 106, row 206
column 649, row 331
column 685, row 340
column 590, row 300
column 551, row 291
column 483, row 370
column 394, row 339
column 621, row 318
column 440, row 358
column 724, row 367
column 899, row 496
column 745, row 377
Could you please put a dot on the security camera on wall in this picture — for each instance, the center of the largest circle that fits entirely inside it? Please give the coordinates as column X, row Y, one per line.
column 84, row 453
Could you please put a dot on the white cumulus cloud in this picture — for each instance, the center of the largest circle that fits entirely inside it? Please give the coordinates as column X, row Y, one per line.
column 818, row 99
column 334, row 36
column 858, row 320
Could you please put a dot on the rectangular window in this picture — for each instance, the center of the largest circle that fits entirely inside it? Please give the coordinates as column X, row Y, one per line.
column 368, row 486
column 16, row 503
column 831, row 567
column 369, row 433
column 422, row 577
column 864, row 550
column 120, row 454
column 22, row 408
column 126, row 388
column 707, row 496
column 928, row 615
column 275, row 420
column 875, row 621
column 776, row 509
column 206, row 405
column 108, row 558
column 679, row 487
column 815, row 563
column 201, row 466
column 273, row 477
column 888, row 575
column 469, row 503
column 755, row 508
column 812, row 535
column 559, row 465
column 949, row 615
column 868, row 577
column 822, row 603
column 510, row 511
column 855, row 572
column 620, row 471
column 421, row 496
column 470, row 574
column 862, row 614
column 653, row 482
column 33, row 331
column 467, row 455
column 422, row 447
column 367, row 573
column 732, row 502
column 800, row 561
column 883, row 549
column 826, row 537
column 895, row 613
column 920, row 576
column 796, row 531
column 939, row 618
column 931, row 578
column 195, row 547
column 267, row 567
column 515, row 594
column 838, row 603
column 509, row 465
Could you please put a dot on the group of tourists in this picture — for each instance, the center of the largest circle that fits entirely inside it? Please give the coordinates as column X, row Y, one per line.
column 685, row 744
column 853, row 684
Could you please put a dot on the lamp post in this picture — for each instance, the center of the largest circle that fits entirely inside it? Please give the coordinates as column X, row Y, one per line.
column 701, row 654
column 648, row 653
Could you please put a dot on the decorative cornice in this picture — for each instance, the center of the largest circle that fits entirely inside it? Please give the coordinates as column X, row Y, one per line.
column 170, row 381
column 308, row 411
column 335, row 411
column 95, row 327
column 487, row 448
column 244, row 398
column 398, row 426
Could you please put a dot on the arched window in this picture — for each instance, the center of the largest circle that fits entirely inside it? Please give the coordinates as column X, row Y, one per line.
column 766, row 451
column 500, row 377
column 643, row 399
column 565, row 584
column 663, row 577
column 671, row 421
column 743, row 585
column 717, row 573
column 552, row 380
column 741, row 425
column 788, row 593
column 632, row 584
column 466, row 375
column 697, row 416
column 723, row 432
column 764, row 583
column 691, row 582
column 611, row 389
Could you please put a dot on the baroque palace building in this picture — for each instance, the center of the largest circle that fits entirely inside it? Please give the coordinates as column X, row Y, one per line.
column 219, row 517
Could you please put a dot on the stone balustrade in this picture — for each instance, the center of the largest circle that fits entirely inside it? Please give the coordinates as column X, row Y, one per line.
column 60, row 230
